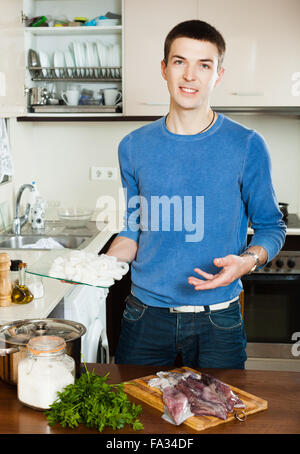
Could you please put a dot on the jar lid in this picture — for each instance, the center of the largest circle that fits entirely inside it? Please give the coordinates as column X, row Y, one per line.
column 15, row 265
column 46, row 344
column 21, row 331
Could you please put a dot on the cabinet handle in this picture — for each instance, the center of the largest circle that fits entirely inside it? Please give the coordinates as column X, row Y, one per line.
column 247, row 93
column 155, row 103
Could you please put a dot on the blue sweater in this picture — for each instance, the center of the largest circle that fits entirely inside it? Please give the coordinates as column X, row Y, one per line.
column 189, row 199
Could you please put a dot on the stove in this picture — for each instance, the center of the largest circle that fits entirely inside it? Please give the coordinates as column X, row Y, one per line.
column 287, row 262
column 271, row 302
column 292, row 221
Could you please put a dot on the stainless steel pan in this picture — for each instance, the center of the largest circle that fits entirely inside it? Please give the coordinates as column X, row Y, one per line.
column 15, row 336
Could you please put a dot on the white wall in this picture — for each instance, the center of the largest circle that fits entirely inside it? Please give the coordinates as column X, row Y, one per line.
column 58, row 156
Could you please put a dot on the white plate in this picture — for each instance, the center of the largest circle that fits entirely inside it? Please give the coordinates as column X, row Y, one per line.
column 108, row 59
column 108, row 22
column 77, row 56
column 82, row 56
column 101, row 48
column 59, row 62
column 44, row 59
column 74, row 52
column 116, row 58
column 90, row 57
column 95, row 59
column 69, row 58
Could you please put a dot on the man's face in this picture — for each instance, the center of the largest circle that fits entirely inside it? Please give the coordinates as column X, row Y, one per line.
column 191, row 72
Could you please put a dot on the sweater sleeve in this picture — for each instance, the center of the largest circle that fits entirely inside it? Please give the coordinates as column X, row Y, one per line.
column 260, row 199
column 131, row 192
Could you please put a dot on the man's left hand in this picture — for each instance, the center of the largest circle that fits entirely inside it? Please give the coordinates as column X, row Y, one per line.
column 233, row 267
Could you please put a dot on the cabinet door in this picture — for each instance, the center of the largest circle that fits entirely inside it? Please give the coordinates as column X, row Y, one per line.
column 262, row 60
column 146, row 26
column 12, row 60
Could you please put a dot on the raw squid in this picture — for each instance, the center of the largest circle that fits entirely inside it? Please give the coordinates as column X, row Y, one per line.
column 176, row 402
column 186, row 394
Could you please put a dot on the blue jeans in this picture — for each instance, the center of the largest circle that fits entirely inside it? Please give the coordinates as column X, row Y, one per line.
column 155, row 336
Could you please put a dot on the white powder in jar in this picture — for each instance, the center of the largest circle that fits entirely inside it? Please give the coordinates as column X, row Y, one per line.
column 40, row 379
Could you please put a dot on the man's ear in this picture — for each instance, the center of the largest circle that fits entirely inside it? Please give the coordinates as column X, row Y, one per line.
column 220, row 76
column 163, row 68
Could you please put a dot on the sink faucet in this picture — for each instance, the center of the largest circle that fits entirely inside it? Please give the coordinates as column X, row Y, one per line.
column 19, row 221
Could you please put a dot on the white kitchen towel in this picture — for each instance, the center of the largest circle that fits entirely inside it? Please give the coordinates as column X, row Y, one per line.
column 44, row 243
column 6, row 166
column 87, row 305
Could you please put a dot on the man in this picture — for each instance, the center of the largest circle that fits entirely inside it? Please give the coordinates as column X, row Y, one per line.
column 193, row 170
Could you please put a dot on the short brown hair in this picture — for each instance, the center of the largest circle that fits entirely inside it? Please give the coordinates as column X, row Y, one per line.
column 195, row 29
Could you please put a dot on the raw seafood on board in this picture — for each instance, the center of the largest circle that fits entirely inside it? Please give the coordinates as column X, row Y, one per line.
column 189, row 393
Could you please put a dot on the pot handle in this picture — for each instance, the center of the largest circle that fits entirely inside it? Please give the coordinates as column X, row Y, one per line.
column 8, row 351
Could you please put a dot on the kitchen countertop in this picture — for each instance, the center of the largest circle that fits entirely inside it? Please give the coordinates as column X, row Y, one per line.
column 54, row 290
column 289, row 231
column 280, row 389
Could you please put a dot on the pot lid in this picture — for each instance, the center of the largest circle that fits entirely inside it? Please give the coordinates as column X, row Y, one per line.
column 21, row 331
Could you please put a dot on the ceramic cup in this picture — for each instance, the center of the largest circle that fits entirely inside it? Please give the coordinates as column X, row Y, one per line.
column 111, row 96
column 71, row 96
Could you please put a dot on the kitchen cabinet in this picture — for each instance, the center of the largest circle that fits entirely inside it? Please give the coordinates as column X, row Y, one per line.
column 12, row 60
column 262, row 66
column 262, row 61
column 146, row 25
column 17, row 78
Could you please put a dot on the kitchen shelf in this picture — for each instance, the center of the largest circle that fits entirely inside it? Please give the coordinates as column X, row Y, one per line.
column 76, row 74
column 31, row 117
column 74, row 109
column 81, row 30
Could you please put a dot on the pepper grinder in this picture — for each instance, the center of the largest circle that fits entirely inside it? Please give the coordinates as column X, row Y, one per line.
column 5, row 284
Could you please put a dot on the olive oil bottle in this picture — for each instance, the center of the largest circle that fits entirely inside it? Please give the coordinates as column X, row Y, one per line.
column 20, row 292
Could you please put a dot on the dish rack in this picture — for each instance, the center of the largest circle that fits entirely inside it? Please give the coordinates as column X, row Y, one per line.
column 74, row 74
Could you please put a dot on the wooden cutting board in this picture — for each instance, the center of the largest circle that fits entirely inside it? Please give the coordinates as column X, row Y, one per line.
column 140, row 389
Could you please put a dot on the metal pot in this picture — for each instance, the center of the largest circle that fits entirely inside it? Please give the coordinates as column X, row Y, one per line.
column 38, row 96
column 284, row 209
column 15, row 336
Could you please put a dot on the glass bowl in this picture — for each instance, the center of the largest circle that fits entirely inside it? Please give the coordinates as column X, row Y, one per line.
column 75, row 217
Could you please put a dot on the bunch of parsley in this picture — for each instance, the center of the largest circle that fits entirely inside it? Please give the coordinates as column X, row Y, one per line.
column 91, row 401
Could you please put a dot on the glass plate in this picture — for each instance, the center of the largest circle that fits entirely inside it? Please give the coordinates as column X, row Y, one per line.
column 42, row 267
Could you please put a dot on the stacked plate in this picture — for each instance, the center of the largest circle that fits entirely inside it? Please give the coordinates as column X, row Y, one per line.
column 84, row 59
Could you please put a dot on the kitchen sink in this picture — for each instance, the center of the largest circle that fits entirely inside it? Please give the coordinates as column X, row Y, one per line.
column 68, row 238
column 19, row 241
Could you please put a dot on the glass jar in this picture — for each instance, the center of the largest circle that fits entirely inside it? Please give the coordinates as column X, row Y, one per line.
column 45, row 371
column 35, row 285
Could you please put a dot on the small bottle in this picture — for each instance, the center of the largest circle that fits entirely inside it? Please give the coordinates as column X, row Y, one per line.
column 33, row 194
column 21, row 293
column 46, row 371
column 14, row 272
column 38, row 214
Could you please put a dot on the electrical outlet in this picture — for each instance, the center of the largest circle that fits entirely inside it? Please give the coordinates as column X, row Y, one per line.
column 104, row 173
